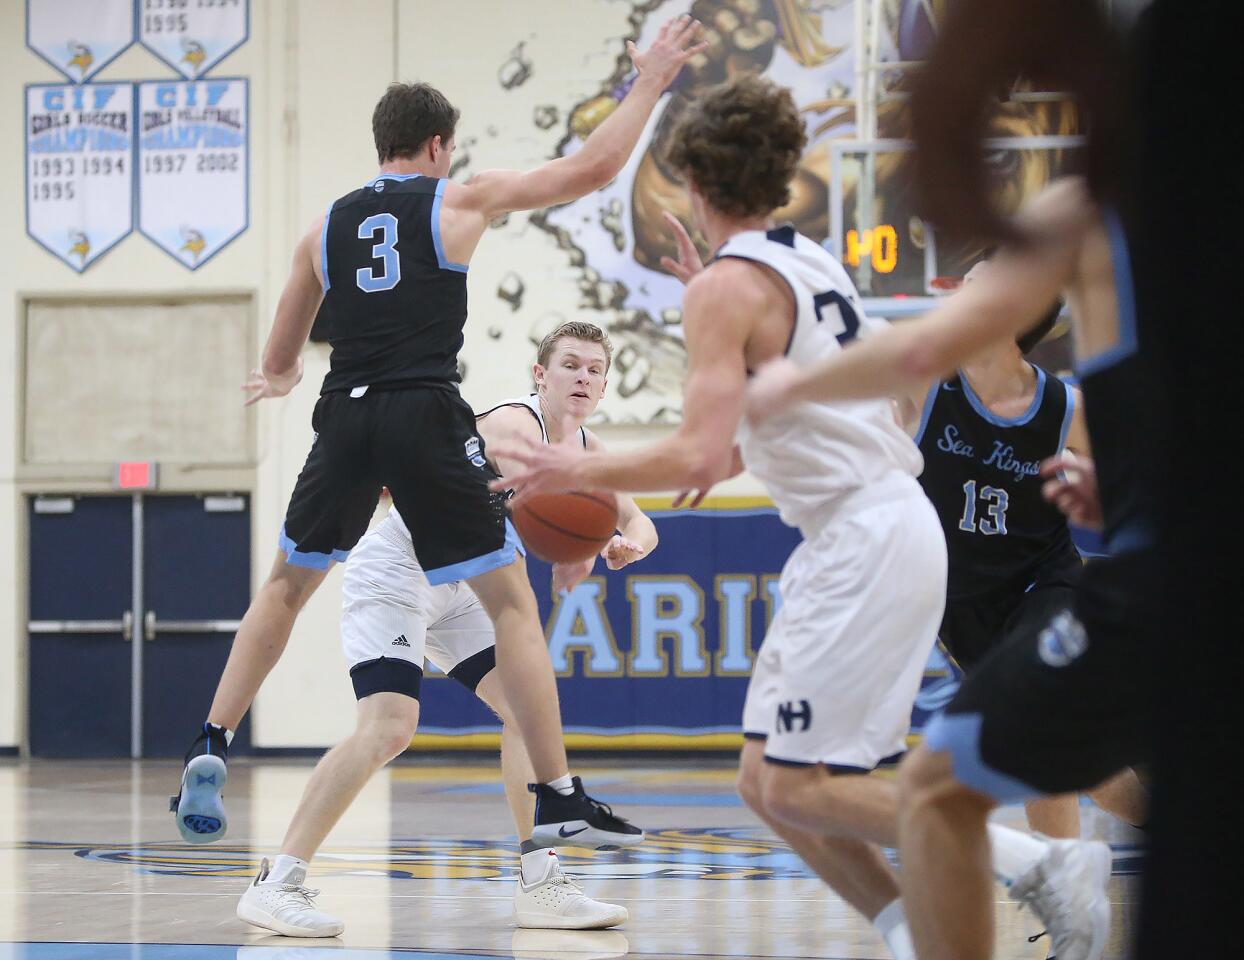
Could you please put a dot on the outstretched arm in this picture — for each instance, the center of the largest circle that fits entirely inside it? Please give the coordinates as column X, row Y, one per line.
column 637, row 534
column 281, row 366
column 1007, row 300
column 605, row 152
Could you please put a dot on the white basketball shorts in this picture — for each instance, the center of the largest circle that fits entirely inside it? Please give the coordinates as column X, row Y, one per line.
column 862, row 598
column 392, row 618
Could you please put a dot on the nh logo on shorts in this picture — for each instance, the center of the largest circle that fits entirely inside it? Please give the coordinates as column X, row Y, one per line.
column 472, row 452
column 1062, row 641
column 790, row 711
column 401, row 641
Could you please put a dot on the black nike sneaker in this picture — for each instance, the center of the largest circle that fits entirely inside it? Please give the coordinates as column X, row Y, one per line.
column 576, row 820
column 199, row 807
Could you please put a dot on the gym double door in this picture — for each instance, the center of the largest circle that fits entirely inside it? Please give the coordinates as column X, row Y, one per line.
column 134, row 601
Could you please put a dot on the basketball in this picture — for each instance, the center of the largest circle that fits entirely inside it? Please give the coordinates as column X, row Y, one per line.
column 567, row 527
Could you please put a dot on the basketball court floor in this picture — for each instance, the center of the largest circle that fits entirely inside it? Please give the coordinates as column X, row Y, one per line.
column 91, row 866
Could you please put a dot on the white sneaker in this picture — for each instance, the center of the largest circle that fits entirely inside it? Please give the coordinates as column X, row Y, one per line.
column 557, row 902
column 287, row 907
column 1067, row 889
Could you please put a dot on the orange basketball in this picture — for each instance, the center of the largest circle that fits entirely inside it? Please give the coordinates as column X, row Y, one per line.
column 567, row 527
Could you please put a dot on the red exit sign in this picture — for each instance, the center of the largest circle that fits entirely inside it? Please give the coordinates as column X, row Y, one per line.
column 135, row 475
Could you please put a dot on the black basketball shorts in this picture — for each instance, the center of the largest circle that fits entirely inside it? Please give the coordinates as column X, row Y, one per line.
column 973, row 626
column 421, row 443
column 1061, row 705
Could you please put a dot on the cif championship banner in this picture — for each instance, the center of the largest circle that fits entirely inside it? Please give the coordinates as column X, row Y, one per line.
column 79, row 168
column 658, row 655
column 193, row 165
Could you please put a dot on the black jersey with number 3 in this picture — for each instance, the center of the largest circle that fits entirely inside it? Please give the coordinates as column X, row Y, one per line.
column 981, row 474
column 394, row 305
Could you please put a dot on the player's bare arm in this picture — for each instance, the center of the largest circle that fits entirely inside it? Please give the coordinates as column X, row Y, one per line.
column 637, row 534
column 604, row 153
column 504, row 427
column 1005, row 302
column 719, row 311
column 281, row 367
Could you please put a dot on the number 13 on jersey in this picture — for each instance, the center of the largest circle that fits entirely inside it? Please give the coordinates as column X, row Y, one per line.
column 994, row 520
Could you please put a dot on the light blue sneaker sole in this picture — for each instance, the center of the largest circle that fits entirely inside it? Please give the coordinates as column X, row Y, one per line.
column 201, row 812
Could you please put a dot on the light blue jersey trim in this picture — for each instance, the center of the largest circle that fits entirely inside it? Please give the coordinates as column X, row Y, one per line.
column 390, row 176
column 992, row 417
column 1068, row 416
column 927, row 413
column 1125, row 294
column 442, row 261
column 466, row 569
column 326, row 283
column 309, row 559
column 960, row 736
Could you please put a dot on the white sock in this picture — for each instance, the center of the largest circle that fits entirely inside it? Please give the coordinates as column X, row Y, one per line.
column 563, row 785
column 1014, row 852
column 286, row 869
column 537, row 865
column 225, row 730
column 891, row 923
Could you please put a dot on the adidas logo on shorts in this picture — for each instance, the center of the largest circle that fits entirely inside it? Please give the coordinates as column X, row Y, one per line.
column 401, row 641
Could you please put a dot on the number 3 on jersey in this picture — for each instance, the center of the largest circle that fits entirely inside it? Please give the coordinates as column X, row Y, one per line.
column 994, row 522
column 368, row 280
column 850, row 319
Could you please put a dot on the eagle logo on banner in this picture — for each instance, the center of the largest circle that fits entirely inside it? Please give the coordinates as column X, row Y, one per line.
column 79, row 246
column 194, row 243
column 82, row 58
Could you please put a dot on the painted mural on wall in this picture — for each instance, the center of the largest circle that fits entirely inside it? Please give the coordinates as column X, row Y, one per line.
column 614, row 239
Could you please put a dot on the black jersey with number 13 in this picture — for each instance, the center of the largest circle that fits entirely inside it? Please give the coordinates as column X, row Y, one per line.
column 981, row 473
column 394, row 305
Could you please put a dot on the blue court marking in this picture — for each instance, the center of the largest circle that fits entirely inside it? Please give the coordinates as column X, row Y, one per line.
column 206, row 951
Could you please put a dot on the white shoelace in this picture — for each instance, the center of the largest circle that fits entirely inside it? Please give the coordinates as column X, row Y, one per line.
column 305, row 894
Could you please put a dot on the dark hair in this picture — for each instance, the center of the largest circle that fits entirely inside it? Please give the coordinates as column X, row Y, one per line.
column 740, row 144
column 408, row 116
column 1028, row 340
column 982, row 48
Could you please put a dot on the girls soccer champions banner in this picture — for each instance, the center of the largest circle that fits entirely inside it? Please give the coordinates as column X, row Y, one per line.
column 79, row 176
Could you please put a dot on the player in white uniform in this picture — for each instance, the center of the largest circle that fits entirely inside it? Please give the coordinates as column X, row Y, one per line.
column 862, row 596
column 391, row 612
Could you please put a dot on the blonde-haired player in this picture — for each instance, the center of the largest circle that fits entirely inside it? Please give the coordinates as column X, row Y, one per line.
column 393, row 618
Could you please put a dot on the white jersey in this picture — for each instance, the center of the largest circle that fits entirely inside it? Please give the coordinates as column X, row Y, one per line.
column 816, row 453
column 532, row 402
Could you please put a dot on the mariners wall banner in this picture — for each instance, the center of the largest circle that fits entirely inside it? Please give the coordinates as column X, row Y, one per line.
column 658, row 654
column 193, row 165
column 192, row 36
column 79, row 37
column 79, row 176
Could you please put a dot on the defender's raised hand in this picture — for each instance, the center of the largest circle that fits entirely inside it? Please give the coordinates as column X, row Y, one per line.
column 673, row 47
column 688, row 263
